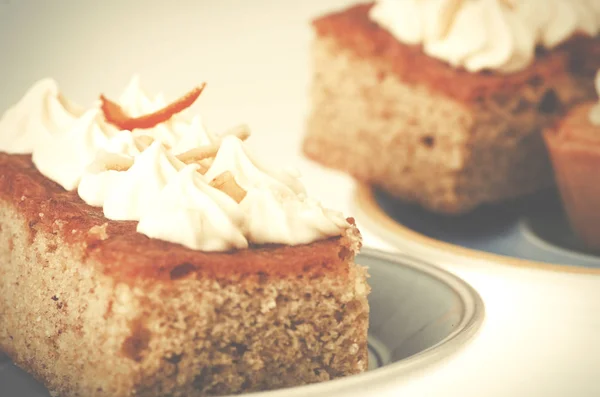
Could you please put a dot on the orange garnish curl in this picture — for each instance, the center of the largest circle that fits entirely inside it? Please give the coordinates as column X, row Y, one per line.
column 115, row 114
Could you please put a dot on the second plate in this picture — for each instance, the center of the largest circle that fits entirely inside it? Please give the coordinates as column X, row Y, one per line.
column 531, row 232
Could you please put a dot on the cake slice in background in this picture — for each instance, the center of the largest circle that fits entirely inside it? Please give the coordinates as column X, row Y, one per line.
column 574, row 147
column 442, row 102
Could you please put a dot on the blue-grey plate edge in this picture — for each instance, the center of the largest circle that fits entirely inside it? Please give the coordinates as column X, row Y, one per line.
column 389, row 230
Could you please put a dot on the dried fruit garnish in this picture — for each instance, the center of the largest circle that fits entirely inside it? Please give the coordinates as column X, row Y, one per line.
column 226, row 183
column 115, row 115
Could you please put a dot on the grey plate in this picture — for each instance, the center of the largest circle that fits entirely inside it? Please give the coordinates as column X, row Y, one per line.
column 532, row 231
column 419, row 315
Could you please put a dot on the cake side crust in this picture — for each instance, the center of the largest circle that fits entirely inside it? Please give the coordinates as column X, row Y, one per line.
column 54, row 313
column 84, row 333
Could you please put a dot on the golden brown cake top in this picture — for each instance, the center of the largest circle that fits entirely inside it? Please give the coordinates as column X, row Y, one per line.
column 126, row 255
column 353, row 29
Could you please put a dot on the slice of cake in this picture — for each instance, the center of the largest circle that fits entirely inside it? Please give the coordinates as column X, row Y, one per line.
column 157, row 273
column 442, row 102
column 574, row 146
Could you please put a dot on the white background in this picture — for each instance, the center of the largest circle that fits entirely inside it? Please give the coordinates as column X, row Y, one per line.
column 541, row 335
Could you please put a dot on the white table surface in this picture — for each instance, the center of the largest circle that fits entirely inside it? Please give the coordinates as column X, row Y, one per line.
column 542, row 330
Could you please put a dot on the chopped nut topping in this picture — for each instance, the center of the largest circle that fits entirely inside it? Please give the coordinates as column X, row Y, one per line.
column 118, row 163
column 226, row 183
column 209, row 151
column 198, row 154
column 143, row 142
column 449, row 11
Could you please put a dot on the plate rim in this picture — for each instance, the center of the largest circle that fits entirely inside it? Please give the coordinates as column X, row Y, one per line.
column 472, row 318
column 388, row 229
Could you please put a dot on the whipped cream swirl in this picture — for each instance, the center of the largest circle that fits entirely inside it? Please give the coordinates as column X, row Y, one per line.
column 595, row 112
column 136, row 175
column 276, row 205
column 129, row 194
column 176, row 203
column 190, row 212
column 477, row 35
column 42, row 112
column 63, row 157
